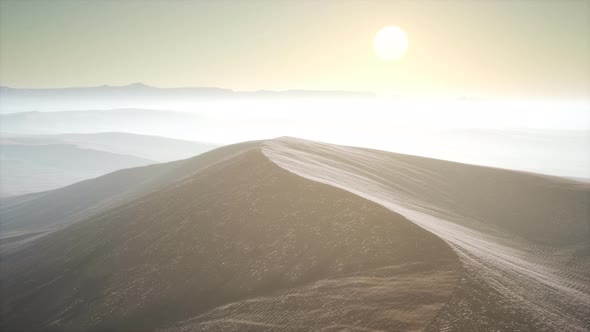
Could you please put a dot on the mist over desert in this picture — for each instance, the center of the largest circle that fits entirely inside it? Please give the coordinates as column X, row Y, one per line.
column 256, row 165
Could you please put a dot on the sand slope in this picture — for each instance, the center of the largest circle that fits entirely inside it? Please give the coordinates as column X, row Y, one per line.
column 290, row 234
column 47, row 211
column 229, row 241
column 524, row 239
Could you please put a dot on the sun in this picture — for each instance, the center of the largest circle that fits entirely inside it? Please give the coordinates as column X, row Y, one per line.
column 391, row 43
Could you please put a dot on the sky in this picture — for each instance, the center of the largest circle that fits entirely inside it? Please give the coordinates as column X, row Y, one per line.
column 481, row 49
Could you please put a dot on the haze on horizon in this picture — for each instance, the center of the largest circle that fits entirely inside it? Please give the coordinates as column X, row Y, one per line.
column 517, row 49
column 266, row 165
column 516, row 72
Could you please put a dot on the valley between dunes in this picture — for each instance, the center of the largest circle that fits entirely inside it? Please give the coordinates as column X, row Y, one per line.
column 295, row 235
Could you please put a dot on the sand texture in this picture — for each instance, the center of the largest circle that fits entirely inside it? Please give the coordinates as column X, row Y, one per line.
column 295, row 235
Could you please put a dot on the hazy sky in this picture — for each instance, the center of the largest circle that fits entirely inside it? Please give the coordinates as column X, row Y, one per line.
column 503, row 48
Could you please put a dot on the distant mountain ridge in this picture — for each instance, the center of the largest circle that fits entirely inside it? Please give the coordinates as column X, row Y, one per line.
column 138, row 95
column 134, row 121
column 143, row 88
column 135, row 88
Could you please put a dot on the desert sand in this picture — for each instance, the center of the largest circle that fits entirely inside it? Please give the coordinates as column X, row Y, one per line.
column 523, row 239
column 295, row 235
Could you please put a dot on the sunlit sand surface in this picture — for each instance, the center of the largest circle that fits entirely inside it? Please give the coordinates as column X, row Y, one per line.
column 522, row 238
column 295, row 235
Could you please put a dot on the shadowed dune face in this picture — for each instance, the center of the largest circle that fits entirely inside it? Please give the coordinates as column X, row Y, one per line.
column 523, row 238
column 236, row 244
column 49, row 210
column 296, row 235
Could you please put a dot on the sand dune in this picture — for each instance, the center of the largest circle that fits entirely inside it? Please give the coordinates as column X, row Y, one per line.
column 524, row 239
column 53, row 209
column 295, row 235
column 240, row 244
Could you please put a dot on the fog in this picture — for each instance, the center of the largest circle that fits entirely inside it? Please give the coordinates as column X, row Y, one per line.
column 551, row 137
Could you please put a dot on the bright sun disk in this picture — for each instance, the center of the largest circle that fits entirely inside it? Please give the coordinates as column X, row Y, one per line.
column 391, row 43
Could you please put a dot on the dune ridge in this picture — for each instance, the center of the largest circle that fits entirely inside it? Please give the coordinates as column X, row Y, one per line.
column 289, row 234
column 523, row 238
column 227, row 241
column 51, row 210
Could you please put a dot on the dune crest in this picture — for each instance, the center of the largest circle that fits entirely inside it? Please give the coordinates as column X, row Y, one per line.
column 289, row 234
column 227, row 241
column 522, row 238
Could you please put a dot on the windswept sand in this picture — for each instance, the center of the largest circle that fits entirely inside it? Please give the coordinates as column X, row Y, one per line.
column 237, row 243
column 524, row 239
column 292, row 235
column 21, row 216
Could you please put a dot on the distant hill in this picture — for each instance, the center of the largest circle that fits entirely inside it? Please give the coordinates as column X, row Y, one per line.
column 136, row 121
column 143, row 146
column 43, row 162
column 31, row 168
column 136, row 96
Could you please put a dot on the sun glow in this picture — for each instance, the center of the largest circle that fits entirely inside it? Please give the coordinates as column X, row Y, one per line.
column 391, row 43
